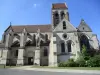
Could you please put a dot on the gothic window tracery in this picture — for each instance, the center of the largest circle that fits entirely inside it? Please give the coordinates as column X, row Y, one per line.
column 84, row 41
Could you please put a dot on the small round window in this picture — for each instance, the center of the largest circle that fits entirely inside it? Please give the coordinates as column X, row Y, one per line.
column 64, row 36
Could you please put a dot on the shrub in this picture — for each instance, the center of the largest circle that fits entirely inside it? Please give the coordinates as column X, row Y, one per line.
column 71, row 63
column 84, row 50
column 81, row 61
column 91, row 52
column 94, row 61
column 86, row 58
column 62, row 64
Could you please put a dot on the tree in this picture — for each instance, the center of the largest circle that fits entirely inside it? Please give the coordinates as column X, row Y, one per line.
column 84, row 50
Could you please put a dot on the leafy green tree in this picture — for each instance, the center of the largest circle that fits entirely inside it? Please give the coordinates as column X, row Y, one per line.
column 84, row 50
column 80, row 61
column 84, row 53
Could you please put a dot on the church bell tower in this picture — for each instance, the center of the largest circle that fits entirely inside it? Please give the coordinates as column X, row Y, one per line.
column 59, row 12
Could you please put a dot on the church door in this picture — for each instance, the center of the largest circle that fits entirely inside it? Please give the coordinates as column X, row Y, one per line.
column 30, row 60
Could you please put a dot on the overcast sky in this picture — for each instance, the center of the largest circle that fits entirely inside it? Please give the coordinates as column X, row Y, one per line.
column 26, row 12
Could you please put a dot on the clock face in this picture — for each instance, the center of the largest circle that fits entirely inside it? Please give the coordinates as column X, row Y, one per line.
column 64, row 36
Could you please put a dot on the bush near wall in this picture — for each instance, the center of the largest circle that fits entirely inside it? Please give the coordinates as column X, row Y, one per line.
column 69, row 63
column 94, row 61
column 62, row 64
column 81, row 62
column 87, row 58
column 93, row 52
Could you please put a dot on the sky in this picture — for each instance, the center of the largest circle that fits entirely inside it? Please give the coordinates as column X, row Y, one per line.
column 32, row 12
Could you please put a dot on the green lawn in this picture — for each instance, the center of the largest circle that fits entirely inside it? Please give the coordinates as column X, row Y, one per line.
column 75, row 68
column 2, row 66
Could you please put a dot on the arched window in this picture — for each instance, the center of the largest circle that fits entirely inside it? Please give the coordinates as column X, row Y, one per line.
column 46, row 37
column 68, row 15
column 84, row 41
column 4, row 38
column 16, row 53
column 41, row 43
column 45, row 51
column 56, row 18
column 62, row 47
column 64, row 25
column 56, row 15
column 62, row 15
column 34, row 40
column 69, row 46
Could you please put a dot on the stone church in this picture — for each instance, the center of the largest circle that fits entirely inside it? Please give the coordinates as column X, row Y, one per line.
column 46, row 45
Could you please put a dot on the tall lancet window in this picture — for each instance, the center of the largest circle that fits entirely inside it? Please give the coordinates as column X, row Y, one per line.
column 68, row 15
column 64, row 25
column 56, row 18
column 45, row 52
column 34, row 40
column 62, row 15
column 69, row 46
column 56, row 15
column 46, row 37
column 4, row 38
column 62, row 47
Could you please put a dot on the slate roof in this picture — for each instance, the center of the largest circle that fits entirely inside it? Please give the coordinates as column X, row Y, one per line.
column 32, row 28
column 59, row 5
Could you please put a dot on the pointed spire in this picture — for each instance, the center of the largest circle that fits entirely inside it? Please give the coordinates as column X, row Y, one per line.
column 10, row 23
column 82, row 21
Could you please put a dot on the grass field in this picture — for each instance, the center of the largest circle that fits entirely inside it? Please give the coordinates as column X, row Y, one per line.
column 3, row 66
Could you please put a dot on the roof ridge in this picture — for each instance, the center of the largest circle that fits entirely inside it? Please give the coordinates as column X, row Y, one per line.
column 59, row 3
column 32, row 28
column 32, row 25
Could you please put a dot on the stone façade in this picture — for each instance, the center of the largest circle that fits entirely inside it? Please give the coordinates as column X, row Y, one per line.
column 46, row 45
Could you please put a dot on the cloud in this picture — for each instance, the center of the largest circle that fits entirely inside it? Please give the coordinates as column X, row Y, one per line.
column 34, row 5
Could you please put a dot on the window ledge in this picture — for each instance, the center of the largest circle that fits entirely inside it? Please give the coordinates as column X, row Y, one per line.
column 70, row 53
column 63, row 54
